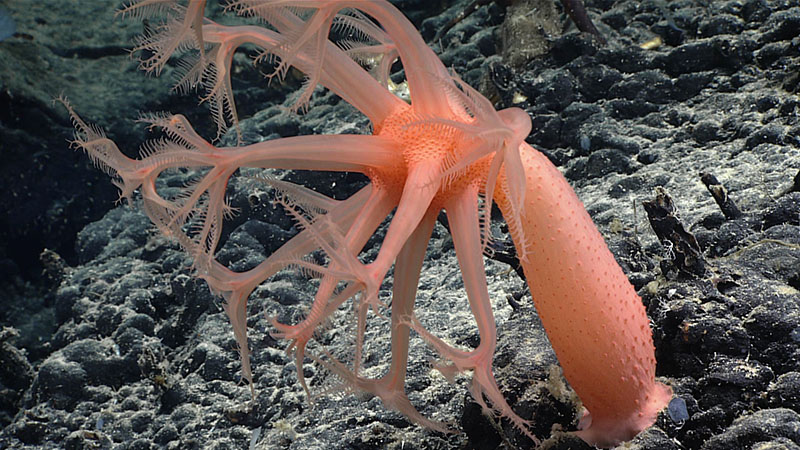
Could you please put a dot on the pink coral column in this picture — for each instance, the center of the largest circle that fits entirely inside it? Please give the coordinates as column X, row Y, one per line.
column 595, row 320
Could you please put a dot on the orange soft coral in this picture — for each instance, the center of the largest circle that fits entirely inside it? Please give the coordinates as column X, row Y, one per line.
column 448, row 149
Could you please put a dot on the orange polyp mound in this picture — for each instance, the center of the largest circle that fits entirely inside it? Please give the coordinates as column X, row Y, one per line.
column 424, row 142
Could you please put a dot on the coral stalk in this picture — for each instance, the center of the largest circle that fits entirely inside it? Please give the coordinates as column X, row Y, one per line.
column 593, row 317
